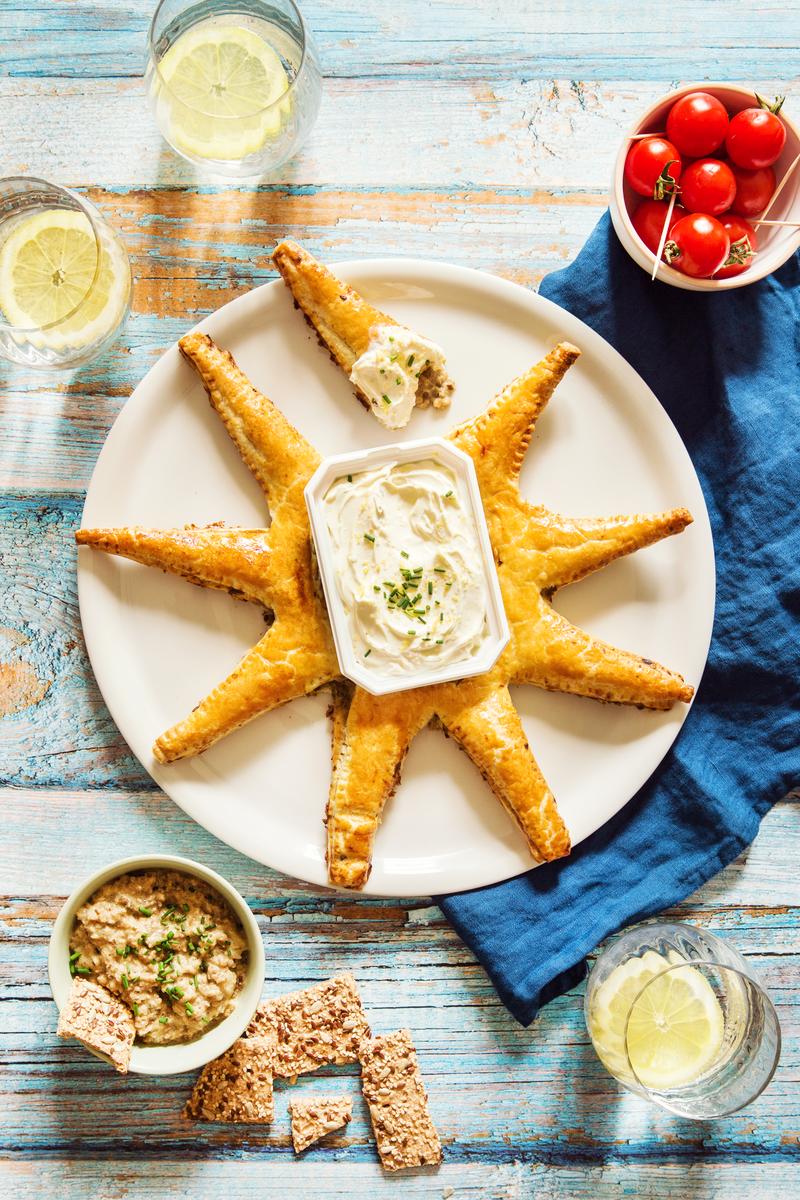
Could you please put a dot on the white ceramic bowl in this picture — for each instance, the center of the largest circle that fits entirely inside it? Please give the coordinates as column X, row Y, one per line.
column 364, row 460
column 165, row 1060
column 776, row 244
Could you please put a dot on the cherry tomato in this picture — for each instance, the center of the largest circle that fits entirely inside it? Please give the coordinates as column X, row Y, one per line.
column 756, row 136
column 753, row 190
column 698, row 245
column 743, row 246
column 697, row 124
column 648, row 221
column 645, row 166
column 708, row 186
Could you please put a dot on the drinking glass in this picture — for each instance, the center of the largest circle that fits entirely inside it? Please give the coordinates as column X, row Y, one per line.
column 209, row 68
column 743, row 1045
column 65, row 279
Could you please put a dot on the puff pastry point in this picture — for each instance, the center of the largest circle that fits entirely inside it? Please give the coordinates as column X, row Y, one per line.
column 536, row 552
column 349, row 328
column 273, row 568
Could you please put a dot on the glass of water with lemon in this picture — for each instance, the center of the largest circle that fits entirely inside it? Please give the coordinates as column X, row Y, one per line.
column 676, row 1015
column 234, row 85
column 65, row 279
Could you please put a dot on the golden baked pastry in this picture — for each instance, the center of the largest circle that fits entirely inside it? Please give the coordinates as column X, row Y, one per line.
column 536, row 552
column 347, row 326
column 272, row 567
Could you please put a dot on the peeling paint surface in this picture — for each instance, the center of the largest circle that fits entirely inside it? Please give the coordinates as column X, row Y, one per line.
column 478, row 132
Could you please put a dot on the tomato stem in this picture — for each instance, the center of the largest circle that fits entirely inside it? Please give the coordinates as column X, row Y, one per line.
column 774, row 107
column 739, row 253
column 665, row 184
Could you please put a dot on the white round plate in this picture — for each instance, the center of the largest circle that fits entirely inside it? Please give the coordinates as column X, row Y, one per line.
column 158, row 645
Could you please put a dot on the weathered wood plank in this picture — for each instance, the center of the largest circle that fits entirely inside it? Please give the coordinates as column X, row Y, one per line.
column 107, row 38
column 507, row 1181
column 54, row 721
column 486, row 131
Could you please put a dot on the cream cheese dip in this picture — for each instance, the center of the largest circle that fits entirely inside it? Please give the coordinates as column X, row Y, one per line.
column 388, row 371
column 408, row 566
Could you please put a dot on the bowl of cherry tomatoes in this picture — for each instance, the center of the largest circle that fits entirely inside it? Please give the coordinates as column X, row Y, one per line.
column 694, row 178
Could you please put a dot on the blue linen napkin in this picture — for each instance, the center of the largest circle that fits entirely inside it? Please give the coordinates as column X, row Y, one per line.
column 726, row 367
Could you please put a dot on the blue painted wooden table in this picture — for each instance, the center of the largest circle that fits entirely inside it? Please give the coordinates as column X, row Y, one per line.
column 476, row 132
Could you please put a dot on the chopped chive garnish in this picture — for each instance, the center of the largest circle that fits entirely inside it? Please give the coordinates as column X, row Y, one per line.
column 74, row 957
column 386, row 400
column 410, row 360
column 375, row 587
column 368, row 537
column 83, row 970
column 448, row 494
column 391, row 339
column 439, row 570
column 124, row 981
column 146, row 912
column 368, row 652
column 403, row 553
column 120, row 952
column 195, row 983
column 189, row 1010
column 393, row 358
column 427, row 362
column 441, row 616
column 163, row 1020
column 449, row 583
column 439, row 642
column 430, row 588
column 135, row 1009
column 349, row 478
column 412, row 633
column 185, row 907
column 206, row 1020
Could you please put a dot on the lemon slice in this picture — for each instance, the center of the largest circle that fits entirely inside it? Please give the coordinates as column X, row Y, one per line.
column 675, row 1029
column 47, row 269
column 223, row 79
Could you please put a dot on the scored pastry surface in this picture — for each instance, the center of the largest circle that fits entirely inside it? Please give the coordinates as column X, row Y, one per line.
column 536, row 552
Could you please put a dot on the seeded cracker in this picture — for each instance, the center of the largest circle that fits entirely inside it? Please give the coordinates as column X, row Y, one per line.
column 237, row 1086
column 318, row 1025
column 100, row 1021
column 398, row 1105
column 317, row 1116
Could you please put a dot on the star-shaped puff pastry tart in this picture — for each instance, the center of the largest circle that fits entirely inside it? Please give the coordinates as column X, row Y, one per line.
column 536, row 552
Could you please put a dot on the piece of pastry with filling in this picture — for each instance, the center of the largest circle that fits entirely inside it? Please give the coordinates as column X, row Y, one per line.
column 392, row 369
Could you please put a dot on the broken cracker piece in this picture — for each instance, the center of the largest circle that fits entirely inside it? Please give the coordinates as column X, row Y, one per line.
column 237, row 1086
column 398, row 1104
column 321, row 1024
column 100, row 1021
column 317, row 1116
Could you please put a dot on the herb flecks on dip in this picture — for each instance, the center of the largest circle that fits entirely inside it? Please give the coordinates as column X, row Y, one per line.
column 168, row 945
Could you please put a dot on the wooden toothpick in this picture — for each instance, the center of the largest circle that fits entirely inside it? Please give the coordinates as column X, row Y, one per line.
column 777, row 192
column 673, row 198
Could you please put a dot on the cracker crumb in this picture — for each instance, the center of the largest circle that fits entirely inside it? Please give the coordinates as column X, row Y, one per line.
column 237, row 1086
column 316, row 1117
column 99, row 1020
column 318, row 1025
column 398, row 1104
